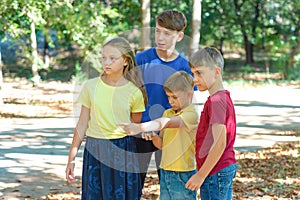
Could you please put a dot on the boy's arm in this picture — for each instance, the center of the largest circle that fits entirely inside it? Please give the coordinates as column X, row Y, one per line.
column 216, row 151
column 155, row 125
column 156, row 139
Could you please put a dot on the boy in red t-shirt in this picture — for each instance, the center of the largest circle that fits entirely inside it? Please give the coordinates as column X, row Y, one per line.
column 216, row 131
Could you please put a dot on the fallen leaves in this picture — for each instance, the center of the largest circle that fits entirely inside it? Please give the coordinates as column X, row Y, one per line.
column 272, row 173
column 151, row 187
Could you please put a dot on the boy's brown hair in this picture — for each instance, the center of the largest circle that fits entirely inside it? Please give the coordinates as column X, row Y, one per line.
column 179, row 81
column 209, row 57
column 172, row 19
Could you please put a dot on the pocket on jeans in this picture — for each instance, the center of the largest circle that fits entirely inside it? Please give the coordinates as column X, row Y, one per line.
column 182, row 178
column 185, row 176
column 225, row 177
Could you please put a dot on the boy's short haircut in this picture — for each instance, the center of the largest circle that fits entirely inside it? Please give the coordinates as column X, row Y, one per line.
column 208, row 56
column 179, row 81
column 172, row 19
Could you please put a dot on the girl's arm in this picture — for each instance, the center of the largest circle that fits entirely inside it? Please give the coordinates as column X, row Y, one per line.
column 78, row 135
column 136, row 117
column 214, row 154
column 155, row 125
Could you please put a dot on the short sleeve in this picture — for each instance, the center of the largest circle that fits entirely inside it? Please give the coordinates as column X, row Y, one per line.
column 190, row 119
column 137, row 102
column 84, row 96
column 218, row 108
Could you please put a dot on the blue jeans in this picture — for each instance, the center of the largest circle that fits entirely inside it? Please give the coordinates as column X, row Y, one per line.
column 172, row 185
column 219, row 185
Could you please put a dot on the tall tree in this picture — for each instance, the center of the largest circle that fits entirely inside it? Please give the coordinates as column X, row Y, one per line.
column 195, row 26
column 146, row 18
column 1, row 75
column 21, row 18
column 283, row 35
column 9, row 19
column 34, row 55
column 247, row 15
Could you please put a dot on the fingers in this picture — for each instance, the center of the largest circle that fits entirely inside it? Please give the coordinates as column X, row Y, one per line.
column 194, row 183
column 128, row 128
column 147, row 135
column 70, row 178
column 192, row 187
column 123, row 124
column 188, row 184
column 70, row 173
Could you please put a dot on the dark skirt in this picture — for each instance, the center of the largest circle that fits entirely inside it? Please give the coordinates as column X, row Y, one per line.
column 110, row 170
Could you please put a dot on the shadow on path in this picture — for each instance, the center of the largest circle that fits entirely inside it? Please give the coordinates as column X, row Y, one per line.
column 33, row 151
column 33, row 156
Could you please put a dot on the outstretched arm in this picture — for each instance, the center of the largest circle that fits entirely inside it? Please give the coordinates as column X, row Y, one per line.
column 78, row 136
column 155, row 125
column 215, row 153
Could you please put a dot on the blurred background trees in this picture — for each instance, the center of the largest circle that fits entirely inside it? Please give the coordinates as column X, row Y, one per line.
column 46, row 39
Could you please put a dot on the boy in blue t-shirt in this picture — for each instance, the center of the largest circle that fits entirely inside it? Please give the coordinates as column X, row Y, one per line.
column 157, row 64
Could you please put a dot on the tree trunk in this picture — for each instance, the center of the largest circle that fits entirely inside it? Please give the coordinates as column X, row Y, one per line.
column 35, row 58
column 1, row 77
column 247, row 44
column 291, row 61
column 196, row 25
column 46, row 54
column 249, row 50
column 146, row 29
column 222, row 45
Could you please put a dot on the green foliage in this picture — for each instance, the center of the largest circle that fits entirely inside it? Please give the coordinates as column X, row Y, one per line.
column 80, row 76
column 129, row 15
column 246, row 69
column 272, row 26
column 85, row 23
column 219, row 23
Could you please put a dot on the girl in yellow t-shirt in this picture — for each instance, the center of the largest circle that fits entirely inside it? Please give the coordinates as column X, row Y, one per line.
column 176, row 138
column 110, row 167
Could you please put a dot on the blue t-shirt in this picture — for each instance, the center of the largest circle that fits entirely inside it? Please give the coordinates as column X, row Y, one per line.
column 155, row 72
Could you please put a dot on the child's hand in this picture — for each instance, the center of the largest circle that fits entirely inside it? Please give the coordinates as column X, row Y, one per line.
column 147, row 136
column 195, row 182
column 130, row 128
column 70, row 172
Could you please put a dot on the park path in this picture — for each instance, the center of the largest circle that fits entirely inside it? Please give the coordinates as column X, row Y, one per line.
column 33, row 151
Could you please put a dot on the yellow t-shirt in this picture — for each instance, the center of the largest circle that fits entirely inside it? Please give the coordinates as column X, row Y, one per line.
column 109, row 106
column 178, row 148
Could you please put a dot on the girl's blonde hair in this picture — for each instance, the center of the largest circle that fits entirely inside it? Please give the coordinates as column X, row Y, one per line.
column 131, row 72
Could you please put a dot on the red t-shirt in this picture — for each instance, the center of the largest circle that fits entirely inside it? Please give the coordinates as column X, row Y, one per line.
column 218, row 109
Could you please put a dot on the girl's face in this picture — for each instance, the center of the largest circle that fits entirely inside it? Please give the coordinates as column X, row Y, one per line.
column 112, row 60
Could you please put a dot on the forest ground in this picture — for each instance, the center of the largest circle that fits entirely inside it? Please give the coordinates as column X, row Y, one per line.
column 36, row 126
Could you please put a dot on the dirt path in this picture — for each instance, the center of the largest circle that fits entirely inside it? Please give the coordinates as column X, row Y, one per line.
column 33, row 151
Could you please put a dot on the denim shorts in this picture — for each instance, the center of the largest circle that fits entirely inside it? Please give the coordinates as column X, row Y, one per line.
column 172, row 185
column 219, row 185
